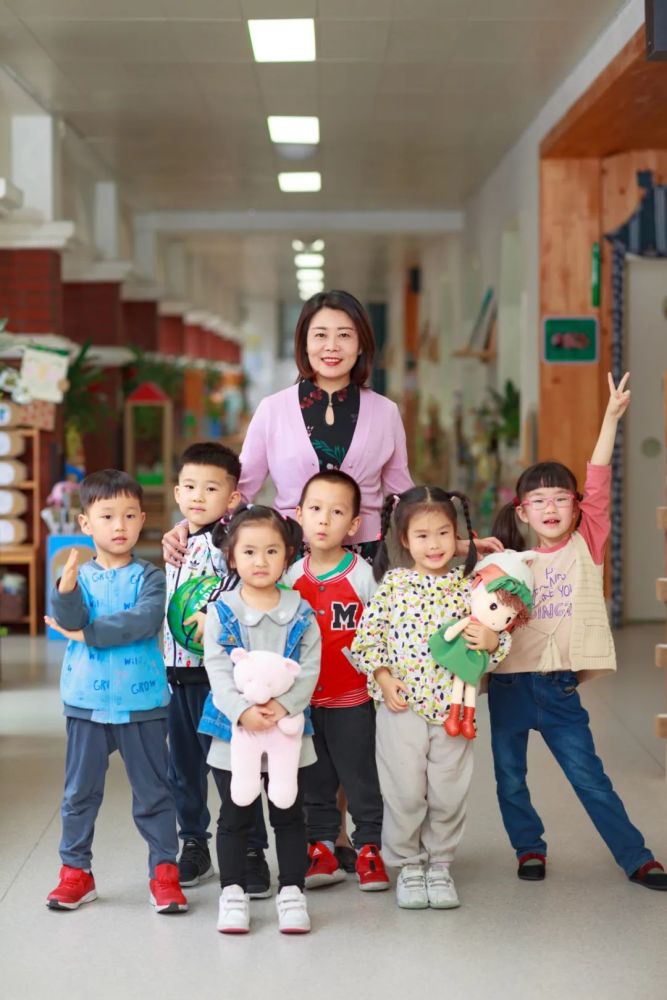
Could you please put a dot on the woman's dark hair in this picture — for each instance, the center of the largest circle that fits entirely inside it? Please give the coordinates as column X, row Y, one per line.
column 107, row 484
column 338, row 478
column 401, row 509
column 549, row 475
column 343, row 302
column 225, row 534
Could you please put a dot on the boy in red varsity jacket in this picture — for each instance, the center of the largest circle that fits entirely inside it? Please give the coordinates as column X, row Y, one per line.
column 338, row 584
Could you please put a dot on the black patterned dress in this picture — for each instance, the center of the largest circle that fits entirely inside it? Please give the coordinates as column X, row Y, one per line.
column 331, row 442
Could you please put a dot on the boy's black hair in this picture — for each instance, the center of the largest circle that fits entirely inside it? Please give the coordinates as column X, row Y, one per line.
column 108, row 484
column 211, row 453
column 342, row 479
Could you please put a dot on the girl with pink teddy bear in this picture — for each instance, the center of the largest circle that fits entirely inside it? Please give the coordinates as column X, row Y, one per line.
column 265, row 621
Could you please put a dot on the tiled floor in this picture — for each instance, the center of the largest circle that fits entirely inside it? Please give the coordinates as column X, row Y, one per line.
column 584, row 933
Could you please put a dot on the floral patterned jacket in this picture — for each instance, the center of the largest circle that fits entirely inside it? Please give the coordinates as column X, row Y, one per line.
column 406, row 610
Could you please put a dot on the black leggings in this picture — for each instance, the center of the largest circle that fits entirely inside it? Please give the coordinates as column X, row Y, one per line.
column 235, row 823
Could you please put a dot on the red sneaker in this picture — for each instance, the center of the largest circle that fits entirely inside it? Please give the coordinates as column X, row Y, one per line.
column 324, row 868
column 75, row 887
column 370, row 870
column 166, row 894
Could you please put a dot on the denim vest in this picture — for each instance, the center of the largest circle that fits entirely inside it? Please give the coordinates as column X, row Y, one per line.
column 213, row 722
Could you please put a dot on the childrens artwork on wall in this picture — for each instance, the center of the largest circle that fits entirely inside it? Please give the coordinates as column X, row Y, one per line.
column 44, row 373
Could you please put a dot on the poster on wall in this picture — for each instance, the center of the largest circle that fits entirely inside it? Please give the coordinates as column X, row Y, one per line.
column 570, row 340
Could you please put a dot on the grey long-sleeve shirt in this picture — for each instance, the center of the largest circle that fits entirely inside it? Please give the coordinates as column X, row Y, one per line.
column 266, row 630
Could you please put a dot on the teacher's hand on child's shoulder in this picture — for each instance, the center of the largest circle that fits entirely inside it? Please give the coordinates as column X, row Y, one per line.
column 175, row 544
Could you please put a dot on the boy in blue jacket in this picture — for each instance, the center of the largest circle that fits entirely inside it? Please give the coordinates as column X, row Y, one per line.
column 115, row 692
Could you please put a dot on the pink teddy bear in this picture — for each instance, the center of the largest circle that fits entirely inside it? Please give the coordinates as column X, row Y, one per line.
column 259, row 676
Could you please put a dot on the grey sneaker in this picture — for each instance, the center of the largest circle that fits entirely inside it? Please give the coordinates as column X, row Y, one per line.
column 411, row 888
column 440, row 888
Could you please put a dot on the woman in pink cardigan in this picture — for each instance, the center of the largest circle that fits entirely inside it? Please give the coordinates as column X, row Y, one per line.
column 328, row 419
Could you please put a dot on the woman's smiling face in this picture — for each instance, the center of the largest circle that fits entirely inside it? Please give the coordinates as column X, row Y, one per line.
column 332, row 345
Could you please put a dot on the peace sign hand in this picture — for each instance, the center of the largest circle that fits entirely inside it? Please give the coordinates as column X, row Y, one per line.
column 619, row 398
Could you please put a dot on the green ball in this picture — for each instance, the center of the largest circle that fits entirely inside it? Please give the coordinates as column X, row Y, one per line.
column 186, row 600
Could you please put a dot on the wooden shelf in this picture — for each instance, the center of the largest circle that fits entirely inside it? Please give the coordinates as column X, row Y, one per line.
column 484, row 356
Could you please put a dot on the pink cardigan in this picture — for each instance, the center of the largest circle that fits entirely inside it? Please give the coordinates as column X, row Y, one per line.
column 277, row 444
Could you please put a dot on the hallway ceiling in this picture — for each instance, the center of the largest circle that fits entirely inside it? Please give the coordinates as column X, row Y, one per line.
column 417, row 102
column 417, row 99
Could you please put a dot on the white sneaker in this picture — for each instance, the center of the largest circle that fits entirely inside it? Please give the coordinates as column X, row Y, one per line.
column 440, row 888
column 292, row 911
column 234, row 911
column 411, row 888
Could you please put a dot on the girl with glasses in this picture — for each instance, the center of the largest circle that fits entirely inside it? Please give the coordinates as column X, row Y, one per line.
column 567, row 640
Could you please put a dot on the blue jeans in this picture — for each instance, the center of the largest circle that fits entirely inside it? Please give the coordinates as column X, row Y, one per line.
column 550, row 704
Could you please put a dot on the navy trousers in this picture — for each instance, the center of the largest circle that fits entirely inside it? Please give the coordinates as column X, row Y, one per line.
column 143, row 747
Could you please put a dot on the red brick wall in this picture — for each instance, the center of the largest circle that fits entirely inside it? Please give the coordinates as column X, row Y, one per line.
column 171, row 335
column 141, row 325
column 31, row 291
column 92, row 311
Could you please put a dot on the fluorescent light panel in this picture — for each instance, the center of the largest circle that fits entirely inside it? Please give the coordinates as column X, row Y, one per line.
column 283, row 40
column 310, row 274
column 300, row 181
column 309, row 260
column 302, row 129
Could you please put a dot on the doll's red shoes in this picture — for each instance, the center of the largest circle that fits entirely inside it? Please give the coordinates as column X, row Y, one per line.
column 456, row 725
column 453, row 722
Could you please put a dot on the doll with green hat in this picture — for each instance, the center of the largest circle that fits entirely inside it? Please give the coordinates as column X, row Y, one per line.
column 502, row 599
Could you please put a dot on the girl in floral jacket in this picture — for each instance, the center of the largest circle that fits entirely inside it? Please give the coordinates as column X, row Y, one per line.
column 424, row 773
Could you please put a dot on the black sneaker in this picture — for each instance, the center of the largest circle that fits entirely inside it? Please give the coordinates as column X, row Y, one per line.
column 258, row 879
column 194, row 864
column 532, row 867
column 346, row 857
column 651, row 875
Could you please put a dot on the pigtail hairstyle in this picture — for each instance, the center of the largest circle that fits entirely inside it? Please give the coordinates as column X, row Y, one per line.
column 381, row 559
column 471, row 558
column 225, row 534
column 505, row 527
column 401, row 509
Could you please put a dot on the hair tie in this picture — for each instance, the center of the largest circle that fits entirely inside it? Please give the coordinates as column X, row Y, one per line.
column 516, row 502
column 249, row 506
column 397, row 498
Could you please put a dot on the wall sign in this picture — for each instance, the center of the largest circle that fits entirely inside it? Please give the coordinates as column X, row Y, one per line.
column 570, row 339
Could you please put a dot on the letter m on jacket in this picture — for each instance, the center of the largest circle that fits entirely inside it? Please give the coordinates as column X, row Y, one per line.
column 343, row 616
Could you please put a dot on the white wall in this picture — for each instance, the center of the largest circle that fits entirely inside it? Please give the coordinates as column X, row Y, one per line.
column 509, row 201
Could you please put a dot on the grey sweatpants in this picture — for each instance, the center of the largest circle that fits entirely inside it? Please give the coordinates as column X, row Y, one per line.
column 143, row 747
column 424, row 778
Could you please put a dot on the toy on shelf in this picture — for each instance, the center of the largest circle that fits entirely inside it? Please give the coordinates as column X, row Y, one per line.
column 60, row 515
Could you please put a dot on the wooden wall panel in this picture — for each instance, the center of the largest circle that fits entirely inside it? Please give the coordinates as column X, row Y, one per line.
column 570, row 206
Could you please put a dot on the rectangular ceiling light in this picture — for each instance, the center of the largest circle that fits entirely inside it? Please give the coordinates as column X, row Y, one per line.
column 303, row 130
column 300, row 181
column 285, row 40
column 309, row 260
